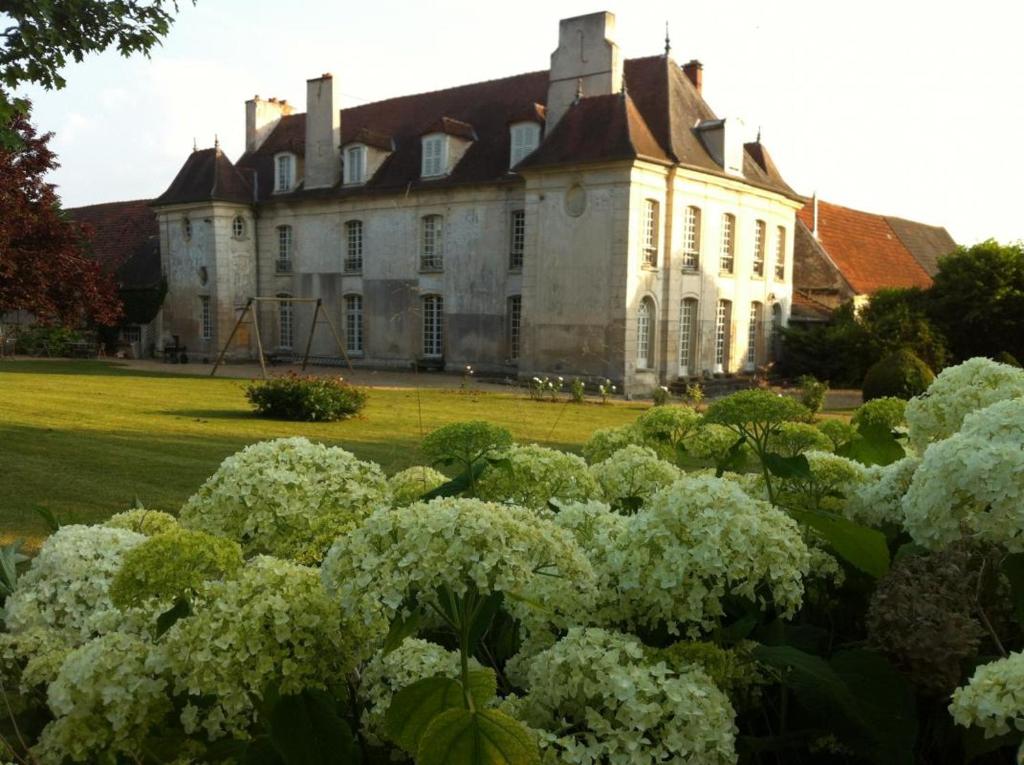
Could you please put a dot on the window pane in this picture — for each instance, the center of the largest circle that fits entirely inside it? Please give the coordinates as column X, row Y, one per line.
column 643, row 334
column 431, row 241
column 433, row 339
column 780, row 253
column 759, row 233
column 518, row 227
column 515, row 314
column 354, row 323
column 691, row 238
column 727, row 248
column 285, row 316
column 354, row 246
column 206, row 322
column 754, row 334
column 687, row 317
column 650, row 242
column 722, row 321
column 284, row 249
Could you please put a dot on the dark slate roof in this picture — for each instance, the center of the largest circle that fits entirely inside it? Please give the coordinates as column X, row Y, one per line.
column 663, row 108
column 813, row 269
column 124, row 238
column 926, row 243
column 208, row 175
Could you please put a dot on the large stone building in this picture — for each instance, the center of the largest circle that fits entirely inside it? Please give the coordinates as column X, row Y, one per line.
column 593, row 219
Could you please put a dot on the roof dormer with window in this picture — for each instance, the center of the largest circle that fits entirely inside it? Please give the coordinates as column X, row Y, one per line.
column 443, row 145
column 524, row 138
column 362, row 155
column 285, row 172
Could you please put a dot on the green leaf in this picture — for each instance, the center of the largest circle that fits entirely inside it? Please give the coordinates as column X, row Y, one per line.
column 483, row 737
column 181, row 608
column 401, row 628
column 733, row 459
column 457, row 485
column 482, row 619
column 483, row 685
column 414, row 707
column 859, row 545
column 52, row 524
column 1013, row 570
column 977, row 744
column 788, row 467
column 306, row 729
column 876, row 446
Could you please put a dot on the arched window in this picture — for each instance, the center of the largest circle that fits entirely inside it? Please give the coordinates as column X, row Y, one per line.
column 354, row 323
column 723, row 332
column 780, row 253
column 284, row 172
column 431, row 243
column 353, row 246
column 644, row 324
column 285, row 326
column 691, row 239
column 759, row 237
column 238, row 227
column 433, row 326
column 284, row 250
column 754, row 334
column 687, row 335
column 525, row 137
column 727, row 246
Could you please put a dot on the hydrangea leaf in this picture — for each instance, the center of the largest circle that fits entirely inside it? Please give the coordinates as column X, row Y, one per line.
column 414, row 708
column 401, row 628
column 860, row 546
column 1013, row 570
column 482, row 737
column 876, row 446
column 181, row 608
column 788, row 467
column 306, row 729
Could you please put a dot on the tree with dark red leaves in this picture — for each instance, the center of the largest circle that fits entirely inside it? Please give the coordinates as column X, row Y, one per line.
column 44, row 266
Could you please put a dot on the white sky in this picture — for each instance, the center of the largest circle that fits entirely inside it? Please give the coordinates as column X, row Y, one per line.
column 905, row 107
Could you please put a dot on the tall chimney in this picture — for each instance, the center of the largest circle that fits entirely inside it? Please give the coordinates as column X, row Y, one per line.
column 814, row 201
column 323, row 132
column 587, row 61
column 694, row 71
column 261, row 117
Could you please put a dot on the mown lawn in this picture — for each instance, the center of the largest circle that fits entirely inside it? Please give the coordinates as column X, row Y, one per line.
column 86, row 438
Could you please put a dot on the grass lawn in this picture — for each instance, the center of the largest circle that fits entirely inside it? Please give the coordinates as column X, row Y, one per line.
column 86, row 438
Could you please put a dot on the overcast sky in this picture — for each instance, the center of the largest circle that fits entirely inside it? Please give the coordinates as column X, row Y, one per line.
column 904, row 107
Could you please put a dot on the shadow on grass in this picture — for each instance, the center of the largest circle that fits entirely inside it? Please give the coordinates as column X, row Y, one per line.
column 84, row 367
column 243, row 415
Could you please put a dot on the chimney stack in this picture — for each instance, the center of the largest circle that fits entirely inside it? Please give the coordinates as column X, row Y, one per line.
column 323, row 132
column 814, row 201
column 261, row 117
column 587, row 61
column 694, row 71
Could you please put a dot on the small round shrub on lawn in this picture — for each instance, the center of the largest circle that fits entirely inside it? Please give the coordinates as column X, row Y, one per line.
column 307, row 398
column 900, row 374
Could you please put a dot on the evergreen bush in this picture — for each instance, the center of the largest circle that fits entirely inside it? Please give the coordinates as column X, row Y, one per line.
column 900, row 375
column 307, row 398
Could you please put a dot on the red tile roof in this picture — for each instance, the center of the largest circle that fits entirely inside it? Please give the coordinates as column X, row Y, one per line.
column 865, row 248
column 124, row 238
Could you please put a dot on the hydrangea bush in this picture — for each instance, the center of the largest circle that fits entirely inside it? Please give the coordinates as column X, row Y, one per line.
column 412, row 483
column 632, row 475
column 994, row 697
column 532, row 475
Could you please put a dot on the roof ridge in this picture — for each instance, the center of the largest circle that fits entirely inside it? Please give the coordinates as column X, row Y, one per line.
column 107, row 204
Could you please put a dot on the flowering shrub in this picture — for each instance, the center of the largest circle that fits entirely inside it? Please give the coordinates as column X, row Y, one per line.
column 885, row 412
column 309, row 398
column 142, row 521
column 709, row 442
column 838, row 432
column 606, row 389
column 578, row 390
column 795, row 438
column 666, row 425
column 832, row 479
column 464, row 445
column 878, row 499
column 631, row 476
column 287, row 497
column 412, row 483
column 660, row 395
column 532, row 475
column 812, row 393
column 994, row 698
column 604, row 442
column 956, row 392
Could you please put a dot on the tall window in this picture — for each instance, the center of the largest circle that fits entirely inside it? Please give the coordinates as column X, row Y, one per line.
column 691, row 238
column 434, row 155
column 518, row 244
column 687, row 334
column 284, row 249
column 433, row 326
column 432, row 243
column 284, row 172
column 780, row 253
column 353, row 246
column 525, row 138
column 284, row 320
column 759, row 236
column 644, row 319
column 723, row 320
column 186, row 228
column 205, row 318
column 515, row 318
column 355, row 164
column 727, row 247
column 354, row 323
column 650, row 232
column 754, row 333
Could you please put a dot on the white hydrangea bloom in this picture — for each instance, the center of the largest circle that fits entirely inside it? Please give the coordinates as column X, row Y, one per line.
column 595, row 699
column 878, row 500
column 972, row 482
column 955, row 393
column 412, row 483
column 66, row 587
column 289, row 498
column 535, row 474
column 700, row 540
column 993, row 699
column 633, row 472
column 457, row 543
column 604, row 442
column 105, row 701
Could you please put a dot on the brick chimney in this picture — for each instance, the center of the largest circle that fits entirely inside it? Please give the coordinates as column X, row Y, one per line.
column 694, row 71
column 261, row 117
column 586, row 61
column 323, row 132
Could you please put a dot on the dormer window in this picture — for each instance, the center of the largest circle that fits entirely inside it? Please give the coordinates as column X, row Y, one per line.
column 525, row 138
column 284, row 172
column 435, row 155
column 355, row 164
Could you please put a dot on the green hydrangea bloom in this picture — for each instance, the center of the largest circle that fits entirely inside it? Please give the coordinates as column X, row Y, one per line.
column 30, row 660
column 532, row 475
column 756, row 410
column 632, row 474
column 839, row 432
column 710, row 442
column 142, row 521
column 288, row 498
column 886, row 412
column 412, row 483
column 795, row 438
column 604, row 442
column 666, row 425
column 172, row 565
column 834, row 478
column 734, row 670
column 993, row 699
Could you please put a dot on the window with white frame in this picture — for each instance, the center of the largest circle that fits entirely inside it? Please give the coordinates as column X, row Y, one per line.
column 285, row 327
column 644, row 322
column 433, row 326
column 354, row 323
column 723, row 322
column 780, row 253
column 525, row 138
column 284, row 172
column 431, row 243
column 435, row 155
column 754, row 333
column 238, row 227
column 284, row 250
column 353, row 246
column 691, row 238
column 515, row 319
column 518, row 240
column 687, row 334
column 205, row 318
column 355, row 164
column 727, row 245
column 759, row 237
column 650, row 243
